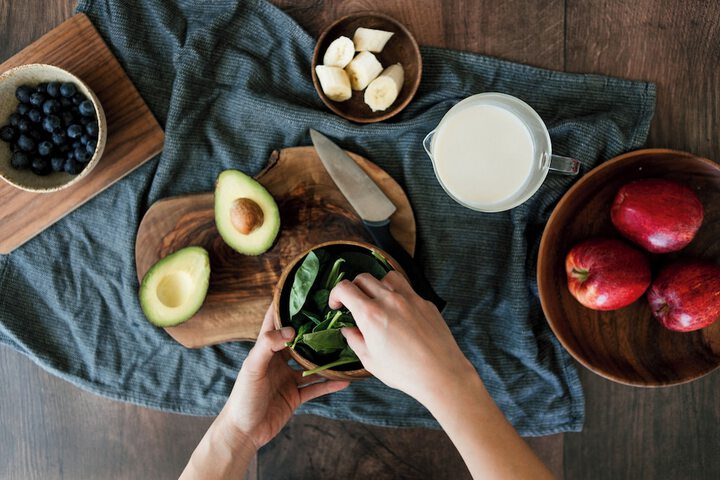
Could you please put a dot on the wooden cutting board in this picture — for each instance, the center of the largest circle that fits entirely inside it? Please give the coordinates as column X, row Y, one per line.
column 312, row 210
column 134, row 136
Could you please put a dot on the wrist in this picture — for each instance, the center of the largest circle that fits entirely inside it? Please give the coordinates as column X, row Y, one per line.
column 231, row 435
column 448, row 388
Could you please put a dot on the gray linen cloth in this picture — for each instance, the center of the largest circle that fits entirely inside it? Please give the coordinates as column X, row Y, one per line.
column 230, row 82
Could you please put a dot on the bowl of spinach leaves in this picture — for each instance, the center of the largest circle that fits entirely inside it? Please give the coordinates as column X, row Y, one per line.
column 301, row 301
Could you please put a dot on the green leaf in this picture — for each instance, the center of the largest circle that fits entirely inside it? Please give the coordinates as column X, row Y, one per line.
column 381, row 258
column 332, row 277
column 303, row 282
column 325, row 341
column 300, row 332
column 310, row 316
column 320, row 297
column 361, row 263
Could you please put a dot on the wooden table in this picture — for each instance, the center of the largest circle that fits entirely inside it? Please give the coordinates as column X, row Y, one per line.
column 49, row 429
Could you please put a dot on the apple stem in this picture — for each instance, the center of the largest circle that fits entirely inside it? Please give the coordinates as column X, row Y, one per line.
column 581, row 275
column 663, row 310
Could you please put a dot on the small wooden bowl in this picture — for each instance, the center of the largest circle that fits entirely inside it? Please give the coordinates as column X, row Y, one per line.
column 402, row 48
column 33, row 74
column 628, row 345
column 281, row 298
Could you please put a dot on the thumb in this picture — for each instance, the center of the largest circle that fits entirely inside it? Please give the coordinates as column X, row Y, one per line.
column 268, row 343
column 355, row 339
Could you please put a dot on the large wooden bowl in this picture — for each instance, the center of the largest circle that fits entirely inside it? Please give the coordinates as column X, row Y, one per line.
column 402, row 48
column 281, row 300
column 628, row 345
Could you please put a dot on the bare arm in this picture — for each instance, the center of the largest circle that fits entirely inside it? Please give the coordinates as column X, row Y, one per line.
column 404, row 341
column 266, row 393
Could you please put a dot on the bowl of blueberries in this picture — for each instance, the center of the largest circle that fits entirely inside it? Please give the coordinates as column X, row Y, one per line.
column 52, row 128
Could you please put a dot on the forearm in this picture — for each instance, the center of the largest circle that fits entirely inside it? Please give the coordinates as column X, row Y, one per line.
column 487, row 442
column 222, row 453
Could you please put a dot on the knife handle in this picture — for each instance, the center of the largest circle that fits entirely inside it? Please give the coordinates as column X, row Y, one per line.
column 380, row 232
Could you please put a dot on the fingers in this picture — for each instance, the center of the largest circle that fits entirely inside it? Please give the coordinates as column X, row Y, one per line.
column 267, row 344
column 320, row 389
column 347, row 294
column 371, row 286
column 355, row 339
column 397, row 282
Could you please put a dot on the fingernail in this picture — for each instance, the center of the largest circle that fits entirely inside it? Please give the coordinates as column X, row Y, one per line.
column 287, row 332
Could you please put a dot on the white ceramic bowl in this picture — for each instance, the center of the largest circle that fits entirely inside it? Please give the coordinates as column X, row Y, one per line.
column 33, row 74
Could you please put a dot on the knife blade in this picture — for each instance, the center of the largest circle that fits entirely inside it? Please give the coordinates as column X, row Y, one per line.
column 373, row 207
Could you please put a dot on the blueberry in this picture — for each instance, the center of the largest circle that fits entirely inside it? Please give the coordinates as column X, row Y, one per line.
column 26, row 143
column 41, row 88
column 36, row 134
column 91, row 147
column 72, row 167
column 78, row 98
column 57, row 164
column 76, row 145
column 44, row 148
column 86, row 109
column 65, row 102
column 37, row 99
column 67, row 118
column 92, row 129
column 14, row 119
column 59, row 138
column 85, row 120
column 84, row 139
column 41, row 166
column 23, row 109
column 20, row 160
column 67, row 89
column 8, row 133
column 34, row 115
column 51, row 106
column 70, row 154
column 23, row 125
column 53, row 89
column 81, row 155
column 23, row 93
column 51, row 123
column 74, row 131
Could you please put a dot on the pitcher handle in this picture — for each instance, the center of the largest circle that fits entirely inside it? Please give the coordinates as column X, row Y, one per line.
column 427, row 142
column 563, row 165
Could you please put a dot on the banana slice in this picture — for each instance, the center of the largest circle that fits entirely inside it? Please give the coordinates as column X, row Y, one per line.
column 362, row 70
column 339, row 53
column 334, row 82
column 367, row 39
column 384, row 90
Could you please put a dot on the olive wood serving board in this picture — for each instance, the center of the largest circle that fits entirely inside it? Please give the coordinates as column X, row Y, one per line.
column 134, row 135
column 312, row 211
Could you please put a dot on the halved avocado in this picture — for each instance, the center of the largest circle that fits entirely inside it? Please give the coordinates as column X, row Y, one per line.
column 246, row 215
column 174, row 289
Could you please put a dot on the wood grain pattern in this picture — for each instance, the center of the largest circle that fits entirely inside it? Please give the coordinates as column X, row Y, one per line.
column 629, row 345
column 134, row 136
column 401, row 48
column 312, row 211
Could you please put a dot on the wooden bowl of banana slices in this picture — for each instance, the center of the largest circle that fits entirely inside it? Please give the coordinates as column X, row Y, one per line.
column 366, row 67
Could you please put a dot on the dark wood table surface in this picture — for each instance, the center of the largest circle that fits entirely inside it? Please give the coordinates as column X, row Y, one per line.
column 50, row 429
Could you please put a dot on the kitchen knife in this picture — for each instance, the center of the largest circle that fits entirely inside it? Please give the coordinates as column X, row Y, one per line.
column 373, row 207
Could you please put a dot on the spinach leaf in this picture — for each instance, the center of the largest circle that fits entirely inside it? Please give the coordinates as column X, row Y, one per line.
column 321, row 297
column 300, row 332
column 346, row 356
column 334, row 276
column 325, row 341
column 311, row 316
column 381, row 258
column 360, row 263
column 324, row 324
column 303, row 282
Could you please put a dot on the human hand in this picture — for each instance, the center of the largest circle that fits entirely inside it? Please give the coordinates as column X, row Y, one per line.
column 267, row 390
column 401, row 338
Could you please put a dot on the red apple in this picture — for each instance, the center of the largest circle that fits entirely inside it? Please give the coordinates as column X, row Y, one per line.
column 606, row 274
column 685, row 296
column 659, row 215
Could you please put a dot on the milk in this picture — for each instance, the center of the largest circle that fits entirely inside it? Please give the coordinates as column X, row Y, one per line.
column 483, row 154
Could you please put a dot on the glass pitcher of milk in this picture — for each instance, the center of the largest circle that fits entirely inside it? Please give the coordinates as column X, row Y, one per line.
column 491, row 152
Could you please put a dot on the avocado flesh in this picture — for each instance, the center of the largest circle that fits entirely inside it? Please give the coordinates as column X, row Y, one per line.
column 234, row 189
column 174, row 289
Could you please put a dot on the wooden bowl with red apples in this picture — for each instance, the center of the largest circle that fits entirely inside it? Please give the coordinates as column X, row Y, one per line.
column 629, row 299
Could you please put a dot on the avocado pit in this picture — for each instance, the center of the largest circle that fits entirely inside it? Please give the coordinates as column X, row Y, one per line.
column 246, row 215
